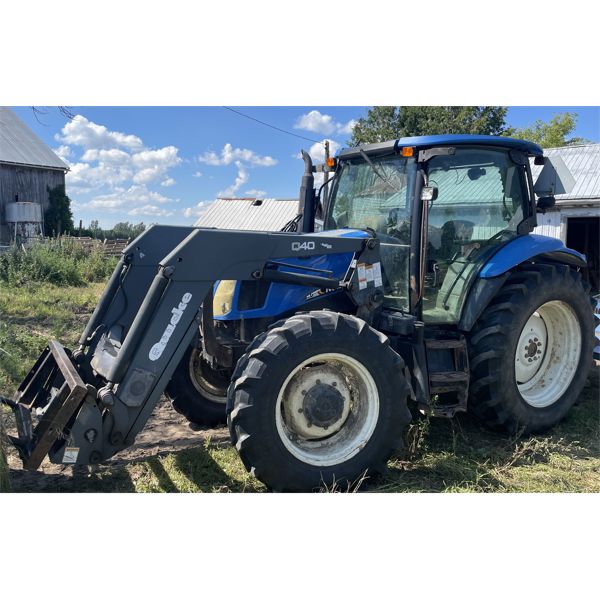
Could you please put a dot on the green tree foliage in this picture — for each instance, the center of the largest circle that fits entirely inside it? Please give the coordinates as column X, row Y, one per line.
column 126, row 230
column 58, row 217
column 553, row 134
column 389, row 122
column 94, row 229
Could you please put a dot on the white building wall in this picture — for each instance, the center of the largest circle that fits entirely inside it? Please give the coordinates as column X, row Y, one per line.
column 549, row 224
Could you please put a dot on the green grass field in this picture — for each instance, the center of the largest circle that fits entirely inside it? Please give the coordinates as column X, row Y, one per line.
column 441, row 455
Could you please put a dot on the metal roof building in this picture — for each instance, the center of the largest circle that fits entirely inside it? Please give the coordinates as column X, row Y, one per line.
column 28, row 169
column 20, row 146
column 249, row 214
column 584, row 163
column 576, row 217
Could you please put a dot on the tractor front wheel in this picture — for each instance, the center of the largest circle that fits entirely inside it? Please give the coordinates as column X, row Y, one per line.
column 197, row 391
column 319, row 399
column 531, row 349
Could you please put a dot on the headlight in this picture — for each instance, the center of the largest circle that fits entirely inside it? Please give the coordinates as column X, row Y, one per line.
column 223, row 299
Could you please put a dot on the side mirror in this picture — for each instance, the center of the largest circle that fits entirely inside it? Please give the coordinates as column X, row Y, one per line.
column 429, row 194
column 543, row 204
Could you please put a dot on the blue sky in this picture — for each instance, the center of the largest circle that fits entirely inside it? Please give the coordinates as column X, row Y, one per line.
column 166, row 164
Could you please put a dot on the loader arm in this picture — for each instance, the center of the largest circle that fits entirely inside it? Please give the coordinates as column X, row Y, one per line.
column 93, row 403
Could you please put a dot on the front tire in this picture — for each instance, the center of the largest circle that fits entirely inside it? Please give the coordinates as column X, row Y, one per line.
column 531, row 349
column 319, row 399
column 197, row 391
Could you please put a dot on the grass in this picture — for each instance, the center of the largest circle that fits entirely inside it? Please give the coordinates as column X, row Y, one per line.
column 456, row 455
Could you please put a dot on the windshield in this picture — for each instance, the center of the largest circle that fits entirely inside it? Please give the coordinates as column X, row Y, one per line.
column 373, row 196
column 376, row 194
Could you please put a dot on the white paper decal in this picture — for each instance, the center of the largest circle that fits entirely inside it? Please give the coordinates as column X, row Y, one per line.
column 70, row 455
column 377, row 274
column 362, row 276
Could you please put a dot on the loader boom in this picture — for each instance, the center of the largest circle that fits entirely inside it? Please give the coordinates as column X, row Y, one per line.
column 147, row 317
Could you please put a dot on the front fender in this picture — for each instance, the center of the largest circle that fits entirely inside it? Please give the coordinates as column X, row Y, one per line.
column 527, row 247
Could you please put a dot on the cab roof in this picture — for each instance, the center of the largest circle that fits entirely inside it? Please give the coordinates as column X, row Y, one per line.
column 430, row 141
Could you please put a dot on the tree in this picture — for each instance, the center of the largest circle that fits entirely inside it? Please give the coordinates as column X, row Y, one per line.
column 389, row 122
column 127, row 230
column 58, row 218
column 95, row 230
column 553, row 134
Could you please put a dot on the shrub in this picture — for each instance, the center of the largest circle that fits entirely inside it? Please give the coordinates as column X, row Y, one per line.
column 60, row 263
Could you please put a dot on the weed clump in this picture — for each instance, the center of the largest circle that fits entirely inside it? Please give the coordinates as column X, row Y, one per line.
column 62, row 263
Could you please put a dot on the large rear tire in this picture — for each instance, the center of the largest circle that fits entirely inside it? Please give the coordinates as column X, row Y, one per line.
column 319, row 399
column 530, row 351
column 197, row 391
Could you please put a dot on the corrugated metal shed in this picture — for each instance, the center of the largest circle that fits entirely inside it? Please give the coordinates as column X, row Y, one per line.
column 249, row 214
column 584, row 163
column 20, row 146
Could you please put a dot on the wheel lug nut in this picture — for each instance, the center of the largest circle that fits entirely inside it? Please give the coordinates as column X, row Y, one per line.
column 539, row 343
column 318, row 382
column 530, row 359
column 304, row 392
column 300, row 410
column 309, row 424
column 535, row 339
column 334, row 383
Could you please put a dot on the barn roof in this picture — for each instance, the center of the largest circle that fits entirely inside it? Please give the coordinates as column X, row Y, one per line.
column 249, row 214
column 20, row 146
column 584, row 163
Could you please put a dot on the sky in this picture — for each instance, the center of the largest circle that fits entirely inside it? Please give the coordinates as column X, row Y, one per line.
column 167, row 164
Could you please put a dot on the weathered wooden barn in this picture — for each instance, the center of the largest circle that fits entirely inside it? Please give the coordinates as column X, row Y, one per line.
column 28, row 167
column 575, row 219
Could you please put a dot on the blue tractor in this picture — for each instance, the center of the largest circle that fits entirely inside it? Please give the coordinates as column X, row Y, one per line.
column 414, row 285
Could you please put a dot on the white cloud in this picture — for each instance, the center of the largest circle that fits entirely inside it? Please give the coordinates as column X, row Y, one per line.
column 122, row 198
column 240, row 180
column 116, row 168
column 150, row 210
column 324, row 124
column 153, row 164
column 196, row 211
column 114, row 155
column 255, row 193
column 229, row 155
column 317, row 150
column 84, row 177
column 63, row 152
column 197, row 174
column 82, row 132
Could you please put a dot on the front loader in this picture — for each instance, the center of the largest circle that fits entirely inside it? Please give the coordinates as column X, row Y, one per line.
column 425, row 288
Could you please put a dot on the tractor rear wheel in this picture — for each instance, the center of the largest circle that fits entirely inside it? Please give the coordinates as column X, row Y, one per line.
column 319, row 399
column 530, row 351
column 197, row 391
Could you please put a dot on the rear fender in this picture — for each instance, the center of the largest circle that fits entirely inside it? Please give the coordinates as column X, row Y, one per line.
column 527, row 247
column 497, row 269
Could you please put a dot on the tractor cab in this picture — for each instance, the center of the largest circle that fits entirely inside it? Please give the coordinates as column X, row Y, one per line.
column 441, row 207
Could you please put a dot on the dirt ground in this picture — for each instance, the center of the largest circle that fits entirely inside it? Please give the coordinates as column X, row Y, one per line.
column 166, row 431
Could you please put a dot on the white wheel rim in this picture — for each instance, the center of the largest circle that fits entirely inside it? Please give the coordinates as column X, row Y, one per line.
column 203, row 386
column 547, row 355
column 354, row 421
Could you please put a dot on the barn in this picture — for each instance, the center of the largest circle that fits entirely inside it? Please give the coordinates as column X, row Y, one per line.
column 28, row 168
